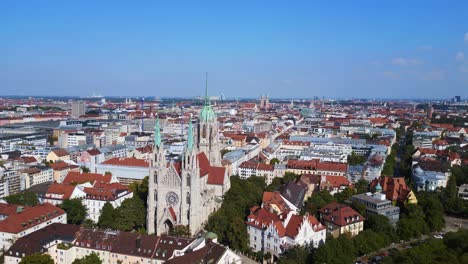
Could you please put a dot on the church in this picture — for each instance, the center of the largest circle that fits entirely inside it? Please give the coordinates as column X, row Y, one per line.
column 187, row 191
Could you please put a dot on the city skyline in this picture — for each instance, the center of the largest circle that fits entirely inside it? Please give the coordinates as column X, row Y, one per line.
column 293, row 50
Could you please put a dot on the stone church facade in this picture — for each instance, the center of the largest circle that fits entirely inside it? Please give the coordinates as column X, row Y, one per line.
column 186, row 192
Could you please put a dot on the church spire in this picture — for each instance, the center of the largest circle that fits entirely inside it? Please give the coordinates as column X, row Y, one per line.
column 157, row 133
column 207, row 98
column 190, row 136
column 207, row 113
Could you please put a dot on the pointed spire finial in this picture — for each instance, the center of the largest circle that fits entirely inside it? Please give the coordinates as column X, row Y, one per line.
column 157, row 133
column 207, row 99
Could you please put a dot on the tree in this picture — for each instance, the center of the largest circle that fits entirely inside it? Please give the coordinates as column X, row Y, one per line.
column 37, row 258
column 361, row 186
column 452, row 249
column 76, row 211
column 108, row 216
column 274, row 161
column 355, row 159
column 296, row 254
column 140, row 189
column 317, row 201
column 412, row 223
column 92, row 258
column 336, row 251
column 180, row 231
column 433, row 210
column 368, row 241
column 381, row 224
column 25, row 198
column 85, row 169
column 344, row 195
column 131, row 215
column 228, row 221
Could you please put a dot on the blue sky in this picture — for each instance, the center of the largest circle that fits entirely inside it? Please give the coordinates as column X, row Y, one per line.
column 338, row 49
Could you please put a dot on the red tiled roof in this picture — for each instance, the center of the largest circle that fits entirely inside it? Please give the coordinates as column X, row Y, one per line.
column 7, row 209
column 59, row 188
column 295, row 143
column 145, row 149
column 93, row 152
column 128, row 162
column 60, row 152
column 105, row 191
column 204, row 164
column 340, row 214
column 60, row 165
column 260, row 217
column 395, row 189
column 316, row 165
column 173, row 214
column 274, row 198
column 28, row 159
column 29, row 217
column 337, row 181
column 77, row 177
column 216, row 175
column 257, row 166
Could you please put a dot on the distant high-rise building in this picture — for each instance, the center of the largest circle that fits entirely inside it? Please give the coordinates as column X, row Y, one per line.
column 78, row 109
column 429, row 111
column 457, row 99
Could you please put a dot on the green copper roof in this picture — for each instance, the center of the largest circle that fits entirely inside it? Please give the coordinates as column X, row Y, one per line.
column 207, row 113
column 378, row 187
column 157, row 133
column 190, row 137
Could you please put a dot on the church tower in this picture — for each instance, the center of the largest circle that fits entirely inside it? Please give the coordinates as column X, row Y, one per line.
column 157, row 168
column 207, row 132
column 191, row 200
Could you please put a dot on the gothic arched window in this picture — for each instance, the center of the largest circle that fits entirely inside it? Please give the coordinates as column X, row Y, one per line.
column 188, row 197
column 203, row 131
column 155, row 195
column 188, row 179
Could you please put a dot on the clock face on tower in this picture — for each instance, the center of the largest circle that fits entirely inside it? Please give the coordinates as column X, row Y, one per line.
column 172, row 198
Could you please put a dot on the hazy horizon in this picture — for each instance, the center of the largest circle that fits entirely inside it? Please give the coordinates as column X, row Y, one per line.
column 344, row 50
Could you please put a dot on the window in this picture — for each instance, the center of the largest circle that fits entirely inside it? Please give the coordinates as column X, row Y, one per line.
column 188, row 197
column 188, row 179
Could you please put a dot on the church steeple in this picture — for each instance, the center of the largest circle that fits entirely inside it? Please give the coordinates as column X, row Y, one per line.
column 157, row 133
column 207, row 113
column 207, row 131
column 190, row 136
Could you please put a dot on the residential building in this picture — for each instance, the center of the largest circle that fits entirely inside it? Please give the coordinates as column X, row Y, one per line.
column 341, row 219
column 18, row 221
column 34, row 176
column 78, row 108
column 463, row 191
column 100, row 194
column 277, row 225
column 395, row 189
column 58, row 154
column 377, row 204
column 252, row 168
column 127, row 170
column 315, row 183
column 58, row 192
column 66, row 243
column 90, row 158
column 316, row 167
column 61, row 169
